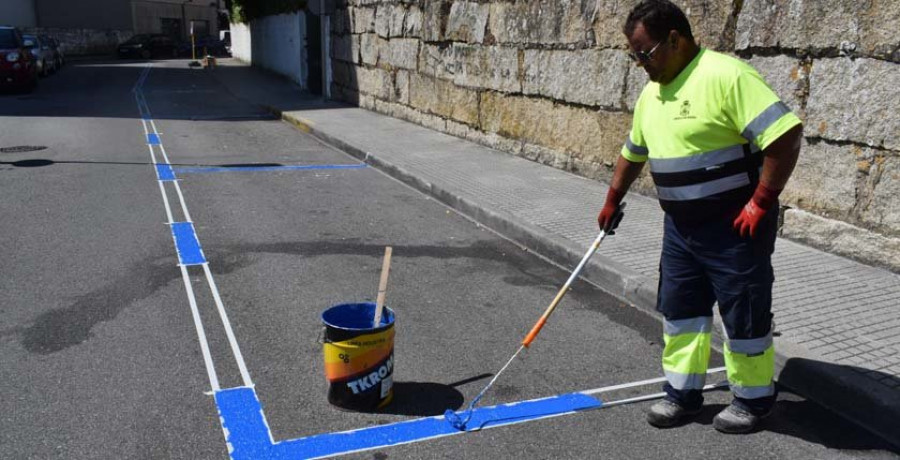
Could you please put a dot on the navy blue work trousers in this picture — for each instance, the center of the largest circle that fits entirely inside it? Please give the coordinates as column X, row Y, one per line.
column 708, row 262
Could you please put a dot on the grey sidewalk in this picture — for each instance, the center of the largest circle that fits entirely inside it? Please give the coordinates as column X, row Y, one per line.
column 837, row 321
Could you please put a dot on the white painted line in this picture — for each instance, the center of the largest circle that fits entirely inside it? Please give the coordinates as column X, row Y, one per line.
column 162, row 149
column 711, row 386
column 187, row 215
column 227, row 324
column 198, row 324
column 201, row 334
column 162, row 189
column 639, row 383
column 152, row 155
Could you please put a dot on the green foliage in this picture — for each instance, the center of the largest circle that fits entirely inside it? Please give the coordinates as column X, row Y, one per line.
column 248, row 10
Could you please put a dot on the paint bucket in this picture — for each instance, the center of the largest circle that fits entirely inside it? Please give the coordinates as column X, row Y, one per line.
column 359, row 358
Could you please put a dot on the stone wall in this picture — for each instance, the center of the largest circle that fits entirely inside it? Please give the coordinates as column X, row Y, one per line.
column 549, row 80
column 82, row 42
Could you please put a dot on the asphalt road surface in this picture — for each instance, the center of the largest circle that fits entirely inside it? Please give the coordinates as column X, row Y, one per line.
column 101, row 349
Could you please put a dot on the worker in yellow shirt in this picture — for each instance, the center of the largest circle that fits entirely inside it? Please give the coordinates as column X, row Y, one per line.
column 721, row 147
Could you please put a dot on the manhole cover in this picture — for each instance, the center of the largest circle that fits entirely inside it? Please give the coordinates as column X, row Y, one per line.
column 22, row 149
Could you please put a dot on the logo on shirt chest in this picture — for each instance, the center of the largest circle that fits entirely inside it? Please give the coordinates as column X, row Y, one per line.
column 684, row 111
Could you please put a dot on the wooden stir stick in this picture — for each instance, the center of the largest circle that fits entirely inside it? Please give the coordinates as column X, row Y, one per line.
column 382, row 286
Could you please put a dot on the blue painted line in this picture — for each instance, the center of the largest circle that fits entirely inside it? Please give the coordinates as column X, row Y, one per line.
column 218, row 169
column 249, row 436
column 187, row 245
column 153, row 139
column 164, row 172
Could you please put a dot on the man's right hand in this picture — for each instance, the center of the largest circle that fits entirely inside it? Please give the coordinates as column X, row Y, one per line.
column 611, row 215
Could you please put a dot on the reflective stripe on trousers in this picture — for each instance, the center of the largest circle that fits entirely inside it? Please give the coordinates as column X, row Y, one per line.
column 750, row 364
column 686, row 355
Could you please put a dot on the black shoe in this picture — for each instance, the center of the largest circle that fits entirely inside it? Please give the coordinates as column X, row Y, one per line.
column 734, row 420
column 666, row 414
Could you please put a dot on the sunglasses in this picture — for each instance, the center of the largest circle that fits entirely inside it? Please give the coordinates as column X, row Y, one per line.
column 644, row 57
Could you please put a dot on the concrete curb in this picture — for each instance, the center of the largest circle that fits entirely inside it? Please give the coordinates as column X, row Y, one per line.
column 837, row 387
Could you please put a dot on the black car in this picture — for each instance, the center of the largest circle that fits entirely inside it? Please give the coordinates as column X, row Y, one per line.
column 148, row 46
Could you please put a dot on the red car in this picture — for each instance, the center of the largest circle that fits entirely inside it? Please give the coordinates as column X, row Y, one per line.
column 17, row 66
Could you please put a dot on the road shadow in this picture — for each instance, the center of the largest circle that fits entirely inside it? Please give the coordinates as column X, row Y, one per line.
column 422, row 399
column 863, row 397
column 172, row 90
column 850, row 419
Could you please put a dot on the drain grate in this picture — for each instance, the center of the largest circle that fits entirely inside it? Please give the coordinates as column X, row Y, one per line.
column 22, row 149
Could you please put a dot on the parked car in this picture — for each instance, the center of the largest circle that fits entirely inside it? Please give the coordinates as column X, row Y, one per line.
column 55, row 51
column 42, row 54
column 148, row 46
column 17, row 65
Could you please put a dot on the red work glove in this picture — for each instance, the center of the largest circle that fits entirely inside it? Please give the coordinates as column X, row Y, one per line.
column 763, row 199
column 608, row 219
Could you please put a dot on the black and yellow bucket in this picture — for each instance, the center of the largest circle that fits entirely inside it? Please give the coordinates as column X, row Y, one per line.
column 359, row 358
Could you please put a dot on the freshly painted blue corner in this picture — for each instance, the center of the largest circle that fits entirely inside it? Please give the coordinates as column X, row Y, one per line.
column 249, row 437
column 245, row 429
column 189, row 252
column 165, row 173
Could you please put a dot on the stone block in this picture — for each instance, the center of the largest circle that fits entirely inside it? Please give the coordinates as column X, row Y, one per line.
column 434, row 17
column 369, row 47
column 824, row 180
column 412, row 27
column 882, row 210
column 635, row 82
column 609, row 18
column 542, row 22
column 848, row 101
column 345, row 48
column 787, row 76
column 787, row 24
column 437, row 61
column 867, row 28
column 467, row 21
column 400, row 53
column 709, row 21
column 375, row 82
column 443, row 98
column 487, row 67
column 389, row 20
column 362, row 20
column 577, row 132
column 841, row 238
column 344, row 74
column 589, row 77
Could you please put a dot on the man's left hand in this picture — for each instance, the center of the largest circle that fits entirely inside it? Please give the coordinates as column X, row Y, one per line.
column 755, row 210
column 748, row 221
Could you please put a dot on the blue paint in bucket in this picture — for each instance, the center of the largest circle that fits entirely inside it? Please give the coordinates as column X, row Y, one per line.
column 359, row 358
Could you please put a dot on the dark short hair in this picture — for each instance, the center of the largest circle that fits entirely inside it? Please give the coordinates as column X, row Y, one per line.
column 658, row 17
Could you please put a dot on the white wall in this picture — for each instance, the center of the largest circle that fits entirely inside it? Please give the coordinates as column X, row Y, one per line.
column 241, row 41
column 275, row 43
column 19, row 13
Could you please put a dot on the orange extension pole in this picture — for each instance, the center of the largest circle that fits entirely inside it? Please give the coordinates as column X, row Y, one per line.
column 562, row 292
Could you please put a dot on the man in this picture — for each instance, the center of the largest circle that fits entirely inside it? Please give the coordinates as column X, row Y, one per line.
column 721, row 147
